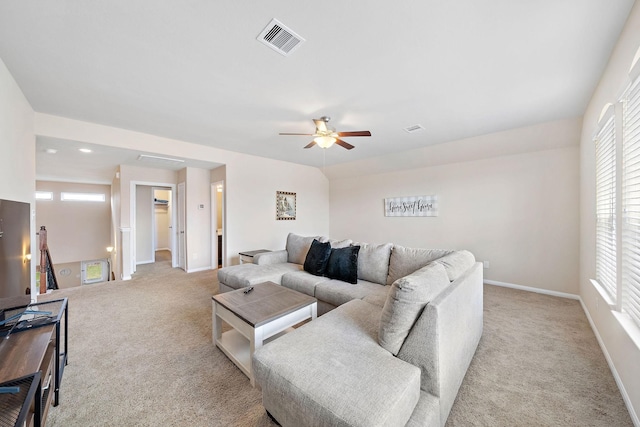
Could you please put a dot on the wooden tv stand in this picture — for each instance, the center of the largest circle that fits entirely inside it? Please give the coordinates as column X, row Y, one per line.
column 38, row 349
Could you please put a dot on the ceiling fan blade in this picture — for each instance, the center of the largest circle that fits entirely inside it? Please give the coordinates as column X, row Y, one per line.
column 321, row 125
column 355, row 133
column 344, row 144
column 311, row 144
column 305, row 134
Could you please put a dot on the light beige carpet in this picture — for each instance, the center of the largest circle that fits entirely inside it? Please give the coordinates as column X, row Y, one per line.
column 141, row 354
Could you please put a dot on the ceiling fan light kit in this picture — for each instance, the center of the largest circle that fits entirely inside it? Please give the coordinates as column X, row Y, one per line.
column 324, row 141
column 325, row 137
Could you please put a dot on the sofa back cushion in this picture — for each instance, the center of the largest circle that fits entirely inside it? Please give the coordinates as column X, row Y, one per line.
column 317, row 257
column 456, row 263
column 406, row 299
column 373, row 262
column 340, row 243
column 404, row 261
column 298, row 246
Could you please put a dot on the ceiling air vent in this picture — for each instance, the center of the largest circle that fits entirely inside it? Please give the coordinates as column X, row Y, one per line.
column 280, row 38
column 414, row 129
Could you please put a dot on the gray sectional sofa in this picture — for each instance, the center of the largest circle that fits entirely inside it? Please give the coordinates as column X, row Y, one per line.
column 390, row 350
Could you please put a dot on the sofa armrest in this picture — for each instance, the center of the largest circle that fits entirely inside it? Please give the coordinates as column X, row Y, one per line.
column 275, row 257
column 445, row 337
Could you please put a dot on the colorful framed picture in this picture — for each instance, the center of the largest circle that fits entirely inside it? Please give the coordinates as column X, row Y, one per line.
column 285, row 205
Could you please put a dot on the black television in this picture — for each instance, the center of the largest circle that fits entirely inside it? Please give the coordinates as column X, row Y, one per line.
column 15, row 250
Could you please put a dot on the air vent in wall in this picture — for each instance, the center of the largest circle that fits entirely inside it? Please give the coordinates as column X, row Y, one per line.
column 280, row 38
column 414, row 128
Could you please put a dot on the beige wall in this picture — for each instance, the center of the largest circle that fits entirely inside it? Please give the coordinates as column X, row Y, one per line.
column 518, row 212
column 17, row 151
column 198, row 219
column 621, row 347
column 76, row 231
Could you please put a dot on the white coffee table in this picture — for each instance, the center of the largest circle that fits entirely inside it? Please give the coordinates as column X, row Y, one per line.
column 257, row 317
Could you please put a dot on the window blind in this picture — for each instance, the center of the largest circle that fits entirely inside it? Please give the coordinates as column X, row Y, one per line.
column 631, row 203
column 606, row 270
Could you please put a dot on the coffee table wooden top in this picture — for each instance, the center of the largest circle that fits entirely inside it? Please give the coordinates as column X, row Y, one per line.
column 267, row 301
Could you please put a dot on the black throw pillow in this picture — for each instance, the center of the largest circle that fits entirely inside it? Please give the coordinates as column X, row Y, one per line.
column 343, row 264
column 317, row 257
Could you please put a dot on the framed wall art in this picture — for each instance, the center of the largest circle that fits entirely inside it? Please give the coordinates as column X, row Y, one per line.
column 285, row 205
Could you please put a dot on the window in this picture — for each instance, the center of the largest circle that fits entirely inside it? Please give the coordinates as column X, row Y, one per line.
column 82, row 197
column 94, row 271
column 617, row 144
column 631, row 202
column 44, row 195
column 606, row 206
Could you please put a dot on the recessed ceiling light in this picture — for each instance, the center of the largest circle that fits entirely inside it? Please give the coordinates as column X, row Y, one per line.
column 84, row 150
column 51, row 151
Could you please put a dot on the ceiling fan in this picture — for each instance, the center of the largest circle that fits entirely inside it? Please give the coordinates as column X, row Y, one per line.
column 325, row 136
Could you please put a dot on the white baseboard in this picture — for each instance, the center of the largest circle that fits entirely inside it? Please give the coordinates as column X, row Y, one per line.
column 194, row 270
column 531, row 289
column 616, row 377
column 144, row 262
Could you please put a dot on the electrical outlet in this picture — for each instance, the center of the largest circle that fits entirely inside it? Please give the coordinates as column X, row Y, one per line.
column 485, row 264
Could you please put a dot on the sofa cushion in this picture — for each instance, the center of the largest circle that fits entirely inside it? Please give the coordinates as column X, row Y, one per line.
column 376, row 295
column 322, row 373
column 337, row 292
column 340, row 243
column 406, row 299
column 298, row 246
column 302, row 281
column 317, row 257
column 343, row 264
column 243, row 275
column 456, row 263
column 373, row 262
column 404, row 261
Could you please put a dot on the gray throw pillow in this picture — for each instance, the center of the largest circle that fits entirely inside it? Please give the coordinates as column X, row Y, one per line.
column 405, row 261
column 298, row 246
column 406, row 299
column 373, row 262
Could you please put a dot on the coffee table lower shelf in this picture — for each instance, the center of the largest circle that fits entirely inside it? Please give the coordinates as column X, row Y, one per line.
column 237, row 348
column 243, row 340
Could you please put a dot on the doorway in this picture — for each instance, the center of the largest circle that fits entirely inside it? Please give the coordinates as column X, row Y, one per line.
column 217, row 225
column 153, row 221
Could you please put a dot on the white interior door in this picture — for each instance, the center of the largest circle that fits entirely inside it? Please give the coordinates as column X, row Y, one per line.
column 182, row 258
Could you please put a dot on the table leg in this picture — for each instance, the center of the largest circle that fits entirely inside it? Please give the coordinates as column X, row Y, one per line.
column 216, row 327
column 254, row 343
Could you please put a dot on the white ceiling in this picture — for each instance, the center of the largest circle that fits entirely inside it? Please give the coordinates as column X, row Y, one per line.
column 194, row 71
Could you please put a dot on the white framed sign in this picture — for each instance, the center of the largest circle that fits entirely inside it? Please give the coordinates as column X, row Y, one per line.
column 411, row 206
